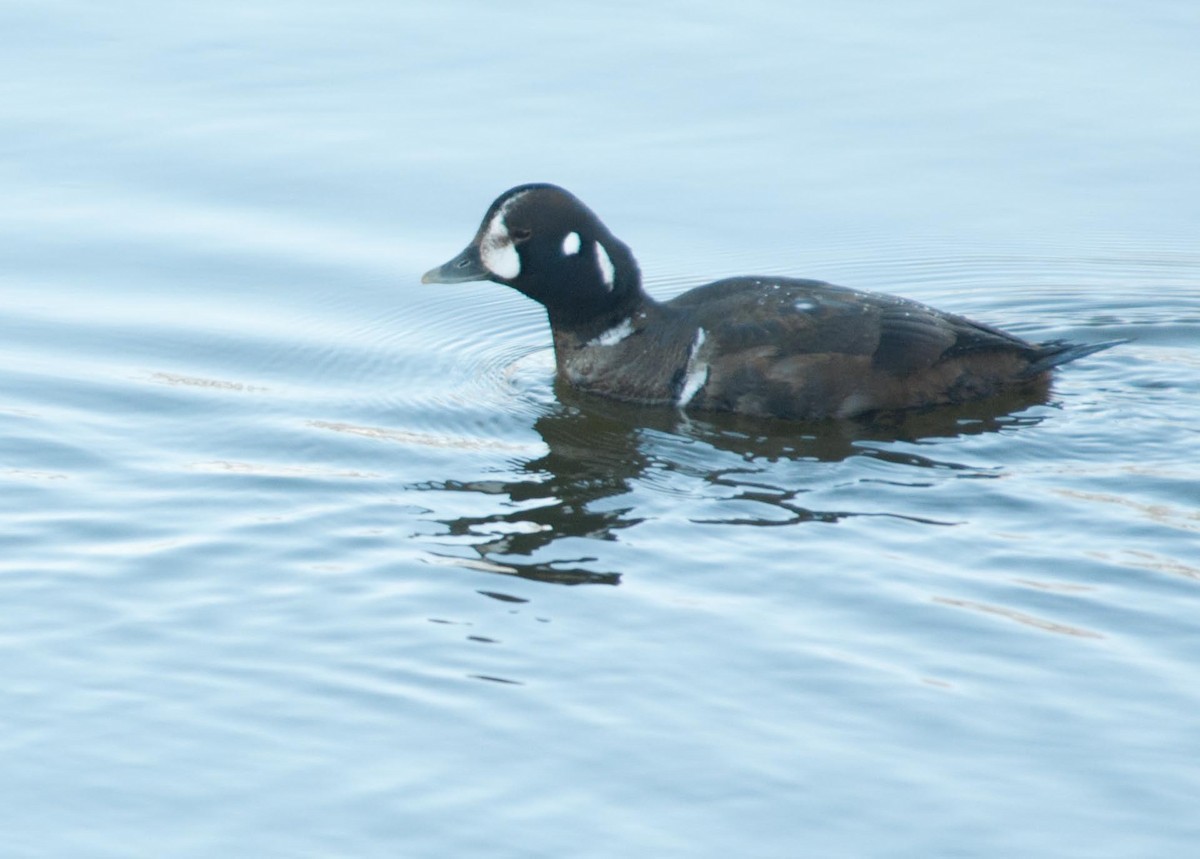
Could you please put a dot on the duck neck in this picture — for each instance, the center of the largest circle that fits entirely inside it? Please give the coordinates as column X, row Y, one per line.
column 598, row 308
column 628, row 301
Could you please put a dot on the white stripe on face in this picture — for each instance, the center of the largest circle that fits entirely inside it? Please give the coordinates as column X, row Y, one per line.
column 607, row 273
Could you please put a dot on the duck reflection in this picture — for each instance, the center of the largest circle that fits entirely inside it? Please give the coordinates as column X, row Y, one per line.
column 598, row 450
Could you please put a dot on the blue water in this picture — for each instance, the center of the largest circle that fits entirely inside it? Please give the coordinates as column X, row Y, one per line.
column 302, row 558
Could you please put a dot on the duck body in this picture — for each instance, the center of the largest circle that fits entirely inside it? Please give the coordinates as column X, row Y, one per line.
column 756, row 345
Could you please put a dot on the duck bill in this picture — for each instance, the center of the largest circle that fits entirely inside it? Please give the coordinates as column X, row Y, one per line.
column 464, row 267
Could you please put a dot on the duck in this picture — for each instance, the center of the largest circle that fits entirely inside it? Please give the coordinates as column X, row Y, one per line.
column 762, row 346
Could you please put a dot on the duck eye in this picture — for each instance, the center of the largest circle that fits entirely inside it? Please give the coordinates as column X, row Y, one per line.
column 520, row 234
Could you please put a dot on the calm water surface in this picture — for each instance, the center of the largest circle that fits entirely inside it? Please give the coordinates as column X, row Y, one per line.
column 302, row 558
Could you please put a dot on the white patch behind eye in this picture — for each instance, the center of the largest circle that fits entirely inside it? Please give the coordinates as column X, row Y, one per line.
column 496, row 249
column 570, row 245
column 606, row 267
column 499, row 255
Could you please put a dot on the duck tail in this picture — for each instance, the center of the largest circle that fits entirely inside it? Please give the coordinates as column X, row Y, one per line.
column 1049, row 355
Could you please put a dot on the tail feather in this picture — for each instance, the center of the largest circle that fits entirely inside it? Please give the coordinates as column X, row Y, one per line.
column 1049, row 355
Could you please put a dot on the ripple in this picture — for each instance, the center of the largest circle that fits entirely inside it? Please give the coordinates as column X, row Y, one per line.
column 28, row 474
column 273, row 470
column 420, row 439
column 1019, row 617
column 198, row 382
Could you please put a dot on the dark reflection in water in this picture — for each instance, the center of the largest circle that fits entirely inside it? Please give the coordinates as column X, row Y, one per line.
column 592, row 456
column 599, row 448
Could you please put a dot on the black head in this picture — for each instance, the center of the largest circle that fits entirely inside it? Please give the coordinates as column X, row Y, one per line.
column 542, row 241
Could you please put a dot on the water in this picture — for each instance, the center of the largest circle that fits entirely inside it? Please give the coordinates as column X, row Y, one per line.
column 302, row 558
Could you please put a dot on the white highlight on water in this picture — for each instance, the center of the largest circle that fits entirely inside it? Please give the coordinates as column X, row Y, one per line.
column 570, row 245
column 696, row 374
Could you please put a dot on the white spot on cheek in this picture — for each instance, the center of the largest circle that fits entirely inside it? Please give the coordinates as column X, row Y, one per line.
column 570, row 245
column 614, row 335
column 696, row 373
column 804, row 305
column 606, row 266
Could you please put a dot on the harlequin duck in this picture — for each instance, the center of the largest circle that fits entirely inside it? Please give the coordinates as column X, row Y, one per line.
column 763, row 346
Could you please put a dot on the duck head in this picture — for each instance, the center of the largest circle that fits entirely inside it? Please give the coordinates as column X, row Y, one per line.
column 542, row 241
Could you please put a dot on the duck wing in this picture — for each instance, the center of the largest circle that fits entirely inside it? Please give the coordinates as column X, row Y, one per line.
column 807, row 349
column 790, row 317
